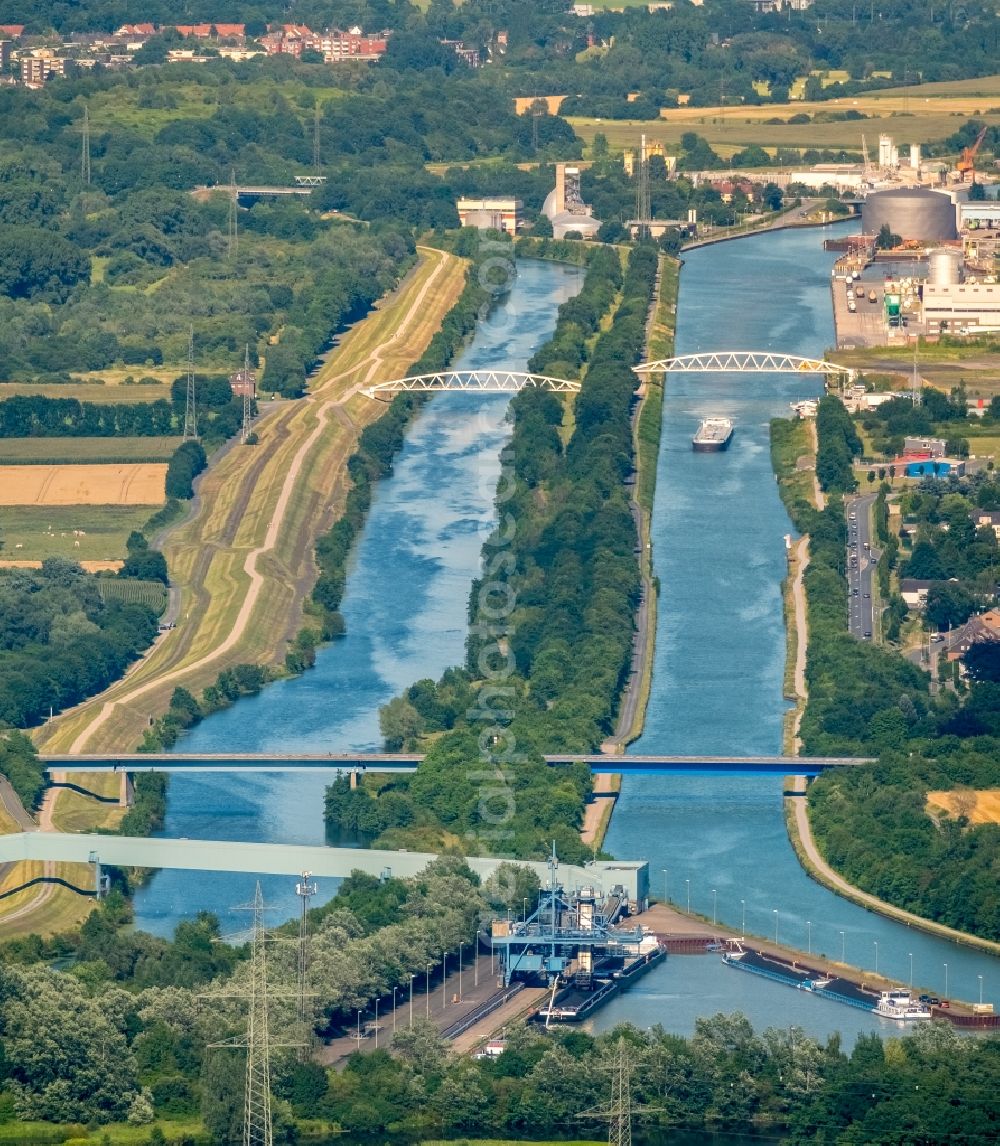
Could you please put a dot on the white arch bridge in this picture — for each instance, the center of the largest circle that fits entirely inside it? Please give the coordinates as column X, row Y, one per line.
column 743, row 362
column 474, row 381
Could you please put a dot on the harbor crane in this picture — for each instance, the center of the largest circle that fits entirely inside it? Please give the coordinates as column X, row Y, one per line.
column 966, row 166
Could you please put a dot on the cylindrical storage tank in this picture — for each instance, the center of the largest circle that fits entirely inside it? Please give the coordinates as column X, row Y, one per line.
column 944, row 267
column 914, row 155
column 911, row 213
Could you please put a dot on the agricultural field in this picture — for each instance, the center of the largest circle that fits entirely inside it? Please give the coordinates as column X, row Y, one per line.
column 978, row 807
column 58, row 451
column 33, row 532
column 89, row 391
column 140, row 483
column 153, row 594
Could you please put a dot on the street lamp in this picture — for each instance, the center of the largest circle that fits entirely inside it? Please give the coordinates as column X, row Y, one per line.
column 412, row 977
column 809, row 936
column 875, row 941
column 775, row 910
column 427, row 989
column 524, row 910
column 980, row 978
column 359, row 1030
column 666, row 897
column 444, row 979
column 394, row 990
column 743, row 923
column 461, row 948
column 946, row 980
column 688, row 882
column 843, row 948
column 376, row 1024
column 714, row 904
column 910, row 953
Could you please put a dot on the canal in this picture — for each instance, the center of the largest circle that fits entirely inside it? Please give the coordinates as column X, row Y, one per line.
column 719, row 554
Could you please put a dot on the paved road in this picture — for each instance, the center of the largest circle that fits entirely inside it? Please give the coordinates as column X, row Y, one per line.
column 861, row 561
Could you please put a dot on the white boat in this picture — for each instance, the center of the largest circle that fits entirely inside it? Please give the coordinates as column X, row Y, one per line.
column 901, row 1005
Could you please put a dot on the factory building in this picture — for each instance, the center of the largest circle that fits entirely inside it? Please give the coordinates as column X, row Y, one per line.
column 494, row 214
column 565, row 208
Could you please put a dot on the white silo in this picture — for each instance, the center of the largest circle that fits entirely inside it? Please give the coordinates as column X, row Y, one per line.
column 885, row 151
column 915, row 156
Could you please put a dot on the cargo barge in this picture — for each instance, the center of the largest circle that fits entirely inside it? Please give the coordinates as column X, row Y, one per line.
column 584, row 993
column 713, row 434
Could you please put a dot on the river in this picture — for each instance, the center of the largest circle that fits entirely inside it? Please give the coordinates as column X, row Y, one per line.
column 718, row 526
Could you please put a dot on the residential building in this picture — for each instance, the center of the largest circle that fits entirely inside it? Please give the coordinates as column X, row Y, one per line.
column 914, row 591
column 14, row 31
column 493, row 214
column 984, row 628
column 243, row 382
column 353, row 44
column 5, row 49
column 38, row 69
column 469, row 56
column 986, row 518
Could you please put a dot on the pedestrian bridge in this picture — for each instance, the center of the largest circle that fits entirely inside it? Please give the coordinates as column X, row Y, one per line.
column 288, row 859
column 471, row 381
column 409, row 762
column 742, row 362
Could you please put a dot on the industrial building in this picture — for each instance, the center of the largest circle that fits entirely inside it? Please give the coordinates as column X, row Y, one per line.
column 496, row 214
column 913, row 213
column 565, row 208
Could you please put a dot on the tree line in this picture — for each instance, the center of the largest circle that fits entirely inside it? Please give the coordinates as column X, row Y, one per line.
column 60, row 642
column 571, row 570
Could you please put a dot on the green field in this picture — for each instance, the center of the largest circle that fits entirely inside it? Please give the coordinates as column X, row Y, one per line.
column 151, row 593
column 54, row 451
column 47, row 531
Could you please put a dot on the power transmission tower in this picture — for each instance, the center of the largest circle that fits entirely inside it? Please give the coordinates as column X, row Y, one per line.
column 915, row 378
column 247, row 386
column 316, row 119
column 620, row 1112
column 234, row 237
column 85, row 148
column 304, row 889
column 190, row 409
column 642, row 195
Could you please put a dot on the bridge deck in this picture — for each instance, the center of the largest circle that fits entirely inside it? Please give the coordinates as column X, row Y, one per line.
column 286, row 859
column 408, row 762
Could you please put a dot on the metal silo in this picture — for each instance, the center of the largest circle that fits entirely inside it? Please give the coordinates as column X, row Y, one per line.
column 911, row 213
column 944, row 266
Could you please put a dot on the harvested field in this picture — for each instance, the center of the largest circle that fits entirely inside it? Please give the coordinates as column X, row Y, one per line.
column 58, row 451
column 85, row 391
column 137, row 484
column 978, row 807
column 32, row 533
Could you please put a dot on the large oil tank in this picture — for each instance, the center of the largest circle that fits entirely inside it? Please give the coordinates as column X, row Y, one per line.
column 944, row 266
column 911, row 212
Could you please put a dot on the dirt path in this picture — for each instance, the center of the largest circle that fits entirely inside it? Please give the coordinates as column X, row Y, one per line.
column 371, row 364
column 801, row 635
column 819, row 495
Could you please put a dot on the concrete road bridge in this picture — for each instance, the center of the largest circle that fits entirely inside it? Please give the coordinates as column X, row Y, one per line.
column 742, row 362
column 287, row 859
column 470, row 381
column 408, row 762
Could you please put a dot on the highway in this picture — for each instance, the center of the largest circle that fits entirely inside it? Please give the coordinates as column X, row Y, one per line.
column 861, row 561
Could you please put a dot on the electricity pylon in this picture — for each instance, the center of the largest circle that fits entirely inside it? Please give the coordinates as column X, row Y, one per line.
column 245, row 433
column 190, row 409
column 85, row 148
column 620, row 1112
column 305, row 889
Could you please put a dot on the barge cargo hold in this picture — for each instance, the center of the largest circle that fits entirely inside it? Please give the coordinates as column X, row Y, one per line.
column 830, row 987
column 584, row 994
column 713, row 434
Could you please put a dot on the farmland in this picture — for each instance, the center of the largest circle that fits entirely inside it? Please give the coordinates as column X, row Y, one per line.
column 90, row 391
column 34, row 532
column 135, row 484
column 58, row 451
column 978, row 807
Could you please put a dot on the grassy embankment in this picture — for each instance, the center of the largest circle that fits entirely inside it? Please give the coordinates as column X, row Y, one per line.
column 791, row 439
column 976, row 363
column 244, row 560
column 921, row 113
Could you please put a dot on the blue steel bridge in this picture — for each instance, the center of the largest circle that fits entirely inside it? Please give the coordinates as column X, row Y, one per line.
column 658, row 765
